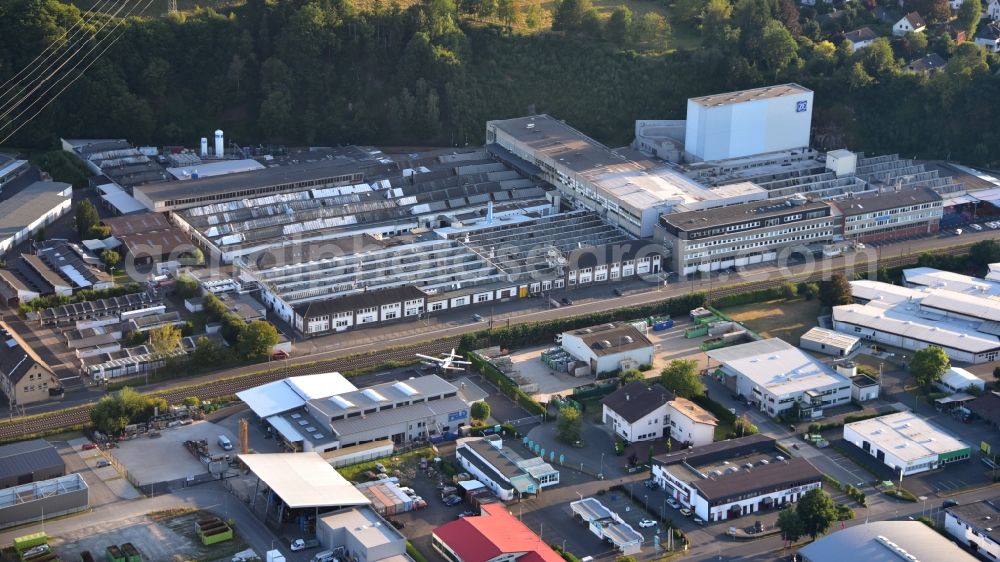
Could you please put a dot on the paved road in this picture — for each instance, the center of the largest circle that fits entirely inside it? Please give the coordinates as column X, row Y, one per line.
column 210, row 497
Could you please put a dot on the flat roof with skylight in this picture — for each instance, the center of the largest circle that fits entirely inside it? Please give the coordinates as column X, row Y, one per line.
column 742, row 96
column 906, row 436
column 777, row 366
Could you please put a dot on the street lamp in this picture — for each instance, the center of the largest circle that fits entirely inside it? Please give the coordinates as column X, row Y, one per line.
column 602, row 465
column 645, row 498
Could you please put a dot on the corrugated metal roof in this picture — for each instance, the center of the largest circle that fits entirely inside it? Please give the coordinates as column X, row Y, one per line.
column 27, row 457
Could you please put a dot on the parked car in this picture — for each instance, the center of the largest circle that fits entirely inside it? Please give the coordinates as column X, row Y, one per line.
column 379, row 467
column 652, row 485
column 452, row 500
column 647, row 523
column 673, row 503
column 698, row 520
column 89, row 446
column 686, row 512
column 975, row 227
column 477, row 318
column 103, row 463
column 618, row 292
column 303, row 544
column 567, row 300
column 467, row 513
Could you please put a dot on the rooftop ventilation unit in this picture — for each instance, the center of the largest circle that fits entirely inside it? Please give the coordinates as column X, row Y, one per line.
column 342, row 402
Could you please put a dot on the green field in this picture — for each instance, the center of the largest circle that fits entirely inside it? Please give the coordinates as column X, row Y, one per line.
column 778, row 319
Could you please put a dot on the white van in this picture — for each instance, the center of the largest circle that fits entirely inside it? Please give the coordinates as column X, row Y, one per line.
column 225, row 443
column 324, row 556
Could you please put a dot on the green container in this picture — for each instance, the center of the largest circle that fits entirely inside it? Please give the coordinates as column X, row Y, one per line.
column 131, row 552
column 30, row 541
column 114, row 554
column 225, row 535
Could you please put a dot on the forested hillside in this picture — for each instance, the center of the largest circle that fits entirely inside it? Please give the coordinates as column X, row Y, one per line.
column 328, row 72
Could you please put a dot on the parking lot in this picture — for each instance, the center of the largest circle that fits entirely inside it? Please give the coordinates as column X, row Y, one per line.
column 163, row 459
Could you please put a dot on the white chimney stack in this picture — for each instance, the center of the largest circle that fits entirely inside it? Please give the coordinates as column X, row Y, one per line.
column 220, row 147
column 204, row 147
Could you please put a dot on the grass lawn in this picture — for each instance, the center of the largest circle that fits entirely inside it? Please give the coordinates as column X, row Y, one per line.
column 778, row 319
column 723, row 430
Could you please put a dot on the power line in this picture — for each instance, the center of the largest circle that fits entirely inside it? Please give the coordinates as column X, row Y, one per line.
column 73, row 80
column 17, row 77
column 22, row 98
column 32, row 67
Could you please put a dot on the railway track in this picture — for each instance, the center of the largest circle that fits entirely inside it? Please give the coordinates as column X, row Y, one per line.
column 19, row 427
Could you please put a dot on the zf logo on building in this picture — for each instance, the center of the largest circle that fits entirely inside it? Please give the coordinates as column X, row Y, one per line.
column 801, row 106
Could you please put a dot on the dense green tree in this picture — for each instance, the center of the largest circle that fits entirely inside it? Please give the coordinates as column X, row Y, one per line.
column 985, row 252
column 619, row 28
column 789, row 13
column 792, row 527
column 817, row 512
column 681, row 378
column 164, row 339
column 110, row 259
column 114, row 411
column 569, row 15
column 480, row 411
column 777, row 48
column 86, row 217
column 208, row 353
column 968, row 15
column 256, row 339
column 835, row 291
column 653, row 29
column 186, row 286
column 534, row 14
column 914, row 45
column 630, row 375
column 929, row 365
column 569, row 424
column 933, row 11
column 689, row 11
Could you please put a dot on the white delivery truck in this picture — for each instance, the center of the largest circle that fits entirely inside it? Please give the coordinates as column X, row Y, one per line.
column 275, row 556
column 324, row 556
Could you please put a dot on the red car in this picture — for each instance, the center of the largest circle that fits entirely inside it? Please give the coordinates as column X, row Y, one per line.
column 89, row 446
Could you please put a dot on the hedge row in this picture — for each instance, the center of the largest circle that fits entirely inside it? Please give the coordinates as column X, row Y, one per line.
column 506, row 385
column 534, row 333
column 415, row 554
column 719, row 410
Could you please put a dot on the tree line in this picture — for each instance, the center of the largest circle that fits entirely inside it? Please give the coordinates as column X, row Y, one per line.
column 328, row 72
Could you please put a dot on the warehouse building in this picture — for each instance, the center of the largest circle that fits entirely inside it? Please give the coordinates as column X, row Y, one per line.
column 503, row 471
column 919, row 277
column 29, row 461
column 885, row 541
column 325, row 173
column 493, row 535
column 775, row 376
column 627, row 188
column 609, row 347
column 37, row 500
column 885, row 215
column 117, row 160
column 403, row 411
column 748, row 122
column 68, row 314
column 362, row 535
column 734, row 478
column 36, row 206
column 906, row 443
column 291, row 393
column 975, row 526
column 964, row 324
column 637, row 411
column 25, row 378
column 829, row 342
column 747, row 233
column 11, row 168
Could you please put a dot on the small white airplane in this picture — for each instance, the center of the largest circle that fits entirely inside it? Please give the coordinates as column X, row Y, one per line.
column 447, row 361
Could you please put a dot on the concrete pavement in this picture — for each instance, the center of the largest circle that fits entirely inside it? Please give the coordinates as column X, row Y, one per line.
column 208, row 497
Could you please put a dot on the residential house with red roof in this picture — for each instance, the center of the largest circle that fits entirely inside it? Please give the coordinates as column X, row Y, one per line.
column 496, row 534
